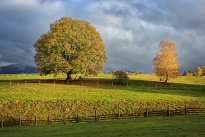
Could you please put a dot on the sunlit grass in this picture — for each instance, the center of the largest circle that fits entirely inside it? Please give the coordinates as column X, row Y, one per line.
column 143, row 91
column 133, row 92
column 90, row 92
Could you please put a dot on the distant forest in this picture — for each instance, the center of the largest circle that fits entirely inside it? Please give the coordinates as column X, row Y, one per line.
column 17, row 69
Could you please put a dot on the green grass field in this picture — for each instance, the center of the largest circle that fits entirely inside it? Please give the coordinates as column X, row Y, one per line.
column 134, row 92
column 144, row 91
column 32, row 92
column 64, row 100
column 180, row 126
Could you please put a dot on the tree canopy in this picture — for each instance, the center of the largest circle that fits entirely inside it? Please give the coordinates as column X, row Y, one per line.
column 199, row 72
column 166, row 64
column 71, row 46
column 120, row 77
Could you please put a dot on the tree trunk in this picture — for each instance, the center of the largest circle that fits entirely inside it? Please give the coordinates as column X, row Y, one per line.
column 166, row 79
column 69, row 76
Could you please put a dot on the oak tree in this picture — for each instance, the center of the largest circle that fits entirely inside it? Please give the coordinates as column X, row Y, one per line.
column 166, row 64
column 71, row 46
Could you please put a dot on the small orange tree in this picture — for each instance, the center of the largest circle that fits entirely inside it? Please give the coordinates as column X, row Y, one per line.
column 166, row 64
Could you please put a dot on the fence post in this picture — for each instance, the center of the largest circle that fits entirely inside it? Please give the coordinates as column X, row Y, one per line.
column 118, row 115
column 20, row 121
column 39, row 81
column 2, row 123
column 185, row 110
column 168, row 111
column 112, row 83
column 48, row 120
column 142, row 84
column 82, row 82
column 96, row 117
column 10, row 82
column 147, row 113
column 64, row 120
column 54, row 81
column 77, row 119
column 35, row 121
column 68, row 82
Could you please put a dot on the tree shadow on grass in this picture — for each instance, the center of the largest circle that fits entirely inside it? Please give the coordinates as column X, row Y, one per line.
column 191, row 90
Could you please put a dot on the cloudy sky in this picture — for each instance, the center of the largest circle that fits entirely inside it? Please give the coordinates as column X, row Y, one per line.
column 130, row 29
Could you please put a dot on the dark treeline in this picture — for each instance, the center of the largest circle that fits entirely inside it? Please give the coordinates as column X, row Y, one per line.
column 200, row 71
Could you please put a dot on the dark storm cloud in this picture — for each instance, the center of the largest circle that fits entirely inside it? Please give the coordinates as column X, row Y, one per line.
column 181, row 14
column 21, row 23
column 138, row 26
column 130, row 29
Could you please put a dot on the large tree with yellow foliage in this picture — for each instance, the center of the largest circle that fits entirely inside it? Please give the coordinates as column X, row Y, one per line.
column 166, row 64
column 71, row 46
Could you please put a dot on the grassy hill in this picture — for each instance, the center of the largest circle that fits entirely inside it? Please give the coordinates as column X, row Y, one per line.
column 60, row 100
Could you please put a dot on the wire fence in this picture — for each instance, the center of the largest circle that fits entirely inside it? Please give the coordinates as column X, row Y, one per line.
column 111, row 82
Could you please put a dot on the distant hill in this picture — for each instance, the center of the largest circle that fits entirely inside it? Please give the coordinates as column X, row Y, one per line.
column 17, row 69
